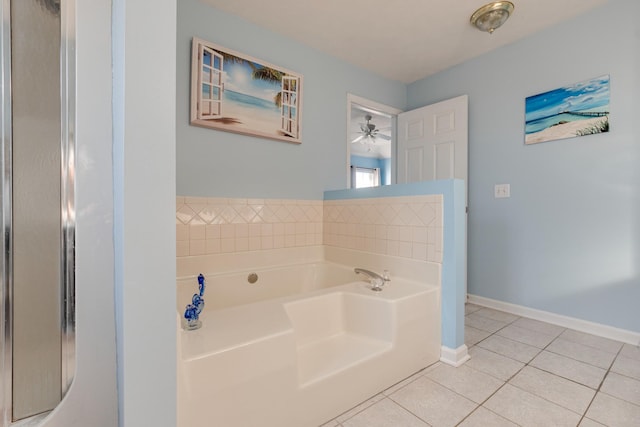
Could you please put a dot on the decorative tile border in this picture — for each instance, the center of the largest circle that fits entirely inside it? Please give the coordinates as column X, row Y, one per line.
column 409, row 226
column 219, row 225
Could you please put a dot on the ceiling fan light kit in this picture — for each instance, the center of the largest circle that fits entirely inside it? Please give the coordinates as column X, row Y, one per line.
column 491, row 16
column 369, row 129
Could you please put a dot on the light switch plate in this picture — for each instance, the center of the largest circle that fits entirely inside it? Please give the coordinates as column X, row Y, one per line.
column 501, row 191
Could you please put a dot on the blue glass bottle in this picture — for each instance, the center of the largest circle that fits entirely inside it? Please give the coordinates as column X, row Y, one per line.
column 193, row 310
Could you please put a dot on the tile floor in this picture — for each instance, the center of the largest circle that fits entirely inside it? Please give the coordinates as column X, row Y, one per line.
column 522, row 372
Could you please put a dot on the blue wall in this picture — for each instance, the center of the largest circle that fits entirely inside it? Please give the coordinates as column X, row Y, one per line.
column 222, row 164
column 567, row 241
column 371, row 162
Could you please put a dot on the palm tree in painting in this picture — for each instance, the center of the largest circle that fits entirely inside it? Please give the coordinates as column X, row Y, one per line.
column 270, row 75
column 266, row 73
column 259, row 73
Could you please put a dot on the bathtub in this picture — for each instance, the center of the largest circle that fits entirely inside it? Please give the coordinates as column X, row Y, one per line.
column 239, row 287
column 304, row 343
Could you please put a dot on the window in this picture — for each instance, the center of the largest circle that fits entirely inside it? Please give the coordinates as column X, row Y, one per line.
column 364, row 177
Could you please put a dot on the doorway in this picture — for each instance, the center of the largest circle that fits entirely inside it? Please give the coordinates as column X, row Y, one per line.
column 371, row 147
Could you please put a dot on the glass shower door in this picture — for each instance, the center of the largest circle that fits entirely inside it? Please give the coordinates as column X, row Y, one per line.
column 37, row 206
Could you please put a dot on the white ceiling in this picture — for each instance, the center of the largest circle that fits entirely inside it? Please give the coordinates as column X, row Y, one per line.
column 402, row 40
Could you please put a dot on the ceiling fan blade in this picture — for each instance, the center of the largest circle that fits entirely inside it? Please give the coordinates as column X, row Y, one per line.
column 358, row 139
column 383, row 136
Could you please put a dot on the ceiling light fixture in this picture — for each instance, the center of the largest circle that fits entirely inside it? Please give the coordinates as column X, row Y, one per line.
column 492, row 15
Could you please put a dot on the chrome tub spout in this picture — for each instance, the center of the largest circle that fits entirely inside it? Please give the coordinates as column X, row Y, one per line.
column 377, row 281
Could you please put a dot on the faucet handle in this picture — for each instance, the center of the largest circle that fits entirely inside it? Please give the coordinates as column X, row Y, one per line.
column 376, row 284
column 385, row 276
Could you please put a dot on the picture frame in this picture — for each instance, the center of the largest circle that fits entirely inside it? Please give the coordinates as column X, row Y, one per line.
column 570, row 111
column 238, row 93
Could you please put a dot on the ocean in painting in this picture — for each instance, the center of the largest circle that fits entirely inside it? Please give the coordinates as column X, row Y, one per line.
column 249, row 101
column 251, row 113
column 557, row 119
column 266, row 109
column 584, row 101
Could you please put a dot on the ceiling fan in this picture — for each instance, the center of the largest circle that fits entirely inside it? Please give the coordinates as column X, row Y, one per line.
column 369, row 132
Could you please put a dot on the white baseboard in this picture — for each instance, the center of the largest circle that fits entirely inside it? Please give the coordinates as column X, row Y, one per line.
column 586, row 326
column 454, row 357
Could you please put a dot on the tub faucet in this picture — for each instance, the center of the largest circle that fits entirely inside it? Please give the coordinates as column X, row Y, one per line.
column 376, row 280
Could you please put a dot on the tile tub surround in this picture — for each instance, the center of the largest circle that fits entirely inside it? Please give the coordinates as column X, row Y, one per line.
column 211, row 225
column 404, row 226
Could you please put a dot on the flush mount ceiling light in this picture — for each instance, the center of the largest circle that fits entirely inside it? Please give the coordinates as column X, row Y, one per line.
column 492, row 15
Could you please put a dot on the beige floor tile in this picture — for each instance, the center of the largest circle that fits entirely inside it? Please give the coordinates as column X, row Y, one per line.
column 493, row 364
column 470, row 308
column 529, row 410
column 622, row 387
column 526, row 336
column 581, row 352
column 554, row 389
column 383, row 414
column 483, row 417
column 561, row 391
column 510, row 348
column 470, row 383
column 472, row 335
column 627, row 366
column 433, row 403
column 410, row 379
column 603, row 344
column 613, row 412
column 483, row 323
column 587, row 422
column 361, row 407
column 568, row 368
column 631, row 351
column 538, row 326
column 500, row 316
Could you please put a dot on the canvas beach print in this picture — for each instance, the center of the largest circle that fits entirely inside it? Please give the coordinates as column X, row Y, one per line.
column 237, row 93
column 575, row 110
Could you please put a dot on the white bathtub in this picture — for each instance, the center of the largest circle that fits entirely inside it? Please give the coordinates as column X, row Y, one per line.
column 231, row 288
column 268, row 357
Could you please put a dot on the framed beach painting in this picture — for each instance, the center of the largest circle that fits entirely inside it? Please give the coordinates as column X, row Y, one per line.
column 237, row 93
column 575, row 110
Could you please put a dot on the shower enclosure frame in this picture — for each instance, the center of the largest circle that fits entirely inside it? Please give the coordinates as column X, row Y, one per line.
column 67, row 209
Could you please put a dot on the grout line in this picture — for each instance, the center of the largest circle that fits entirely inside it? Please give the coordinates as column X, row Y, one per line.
column 384, row 396
column 601, row 383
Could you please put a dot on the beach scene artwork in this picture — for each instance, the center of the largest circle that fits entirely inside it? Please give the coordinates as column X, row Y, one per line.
column 575, row 110
column 237, row 93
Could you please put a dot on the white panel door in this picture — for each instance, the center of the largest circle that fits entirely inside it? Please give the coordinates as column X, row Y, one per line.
column 432, row 142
